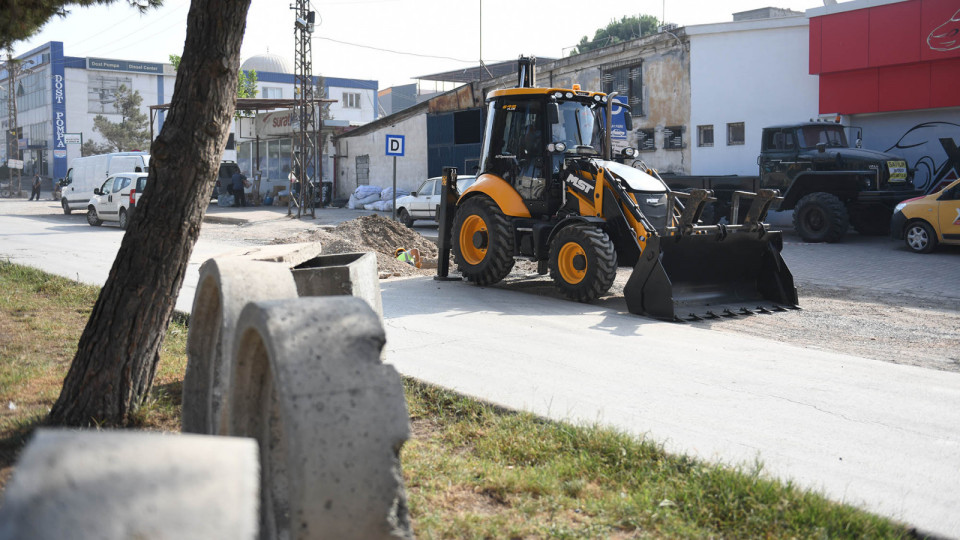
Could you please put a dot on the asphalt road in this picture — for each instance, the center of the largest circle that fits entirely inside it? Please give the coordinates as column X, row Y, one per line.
column 875, row 434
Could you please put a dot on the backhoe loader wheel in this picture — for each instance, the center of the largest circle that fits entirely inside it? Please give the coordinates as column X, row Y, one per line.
column 482, row 241
column 583, row 262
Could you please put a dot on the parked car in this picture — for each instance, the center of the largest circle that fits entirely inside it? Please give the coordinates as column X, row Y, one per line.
column 924, row 222
column 116, row 199
column 87, row 173
column 424, row 203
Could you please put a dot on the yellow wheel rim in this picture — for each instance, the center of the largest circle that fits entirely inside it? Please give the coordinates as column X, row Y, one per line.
column 572, row 262
column 473, row 239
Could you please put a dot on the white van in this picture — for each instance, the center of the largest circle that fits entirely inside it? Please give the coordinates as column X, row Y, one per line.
column 88, row 173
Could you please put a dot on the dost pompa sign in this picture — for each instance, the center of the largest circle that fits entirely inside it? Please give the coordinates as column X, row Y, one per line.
column 59, row 101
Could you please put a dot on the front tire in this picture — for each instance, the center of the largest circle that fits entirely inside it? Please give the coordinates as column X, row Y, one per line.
column 92, row 217
column 405, row 218
column 124, row 219
column 482, row 241
column 820, row 217
column 66, row 207
column 583, row 262
column 920, row 237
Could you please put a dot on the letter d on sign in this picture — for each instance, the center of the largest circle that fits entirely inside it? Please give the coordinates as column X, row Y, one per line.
column 395, row 145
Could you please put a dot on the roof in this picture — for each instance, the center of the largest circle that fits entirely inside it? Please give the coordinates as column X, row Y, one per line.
column 476, row 73
column 273, row 63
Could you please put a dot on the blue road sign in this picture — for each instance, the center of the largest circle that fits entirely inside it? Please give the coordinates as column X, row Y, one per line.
column 395, row 145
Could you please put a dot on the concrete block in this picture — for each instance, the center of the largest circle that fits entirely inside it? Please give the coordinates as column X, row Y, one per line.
column 353, row 274
column 289, row 254
column 226, row 285
column 118, row 485
column 330, row 419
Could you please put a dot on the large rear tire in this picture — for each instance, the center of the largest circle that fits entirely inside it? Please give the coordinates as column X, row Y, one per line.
column 583, row 262
column 820, row 217
column 482, row 241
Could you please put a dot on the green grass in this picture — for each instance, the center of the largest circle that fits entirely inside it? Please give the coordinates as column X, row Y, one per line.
column 472, row 470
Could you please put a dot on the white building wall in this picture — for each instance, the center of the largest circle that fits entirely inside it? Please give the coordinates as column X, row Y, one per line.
column 357, row 116
column 411, row 168
column 755, row 72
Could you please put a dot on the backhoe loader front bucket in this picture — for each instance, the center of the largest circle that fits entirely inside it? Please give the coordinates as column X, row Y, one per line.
column 695, row 276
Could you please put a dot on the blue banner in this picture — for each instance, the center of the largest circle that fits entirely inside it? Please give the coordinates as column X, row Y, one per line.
column 59, row 101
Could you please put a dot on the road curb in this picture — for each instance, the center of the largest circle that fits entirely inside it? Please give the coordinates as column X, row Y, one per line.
column 224, row 220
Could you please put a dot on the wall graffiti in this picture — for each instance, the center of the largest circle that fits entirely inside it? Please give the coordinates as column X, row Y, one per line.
column 946, row 37
column 931, row 148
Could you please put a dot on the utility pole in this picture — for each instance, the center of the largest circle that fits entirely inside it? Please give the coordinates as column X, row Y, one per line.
column 305, row 110
column 13, row 148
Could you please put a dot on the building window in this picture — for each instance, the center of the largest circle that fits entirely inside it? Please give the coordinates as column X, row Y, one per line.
column 673, row 137
column 735, row 133
column 645, row 140
column 351, row 100
column 102, row 91
column 272, row 92
column 705, row 135
column 628, row 82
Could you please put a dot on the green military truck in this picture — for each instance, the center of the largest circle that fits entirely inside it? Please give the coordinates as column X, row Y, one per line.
column 828, row 184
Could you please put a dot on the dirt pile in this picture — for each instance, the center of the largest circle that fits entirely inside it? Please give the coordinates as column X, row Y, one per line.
column 372, row 233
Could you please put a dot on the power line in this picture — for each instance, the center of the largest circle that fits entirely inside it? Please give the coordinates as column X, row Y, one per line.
column 394, row 51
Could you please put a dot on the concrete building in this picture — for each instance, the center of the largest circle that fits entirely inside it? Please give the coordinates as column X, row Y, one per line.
column 265, row 142
column 58, row 97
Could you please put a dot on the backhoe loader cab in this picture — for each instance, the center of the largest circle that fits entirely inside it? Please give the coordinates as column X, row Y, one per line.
column 548, row 191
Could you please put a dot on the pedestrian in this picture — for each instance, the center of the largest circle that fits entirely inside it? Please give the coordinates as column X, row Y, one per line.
column 236, row 183
column 411, row 257
column 36, row 187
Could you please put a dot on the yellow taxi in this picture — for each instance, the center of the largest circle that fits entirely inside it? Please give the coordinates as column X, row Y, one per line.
column 926, row 221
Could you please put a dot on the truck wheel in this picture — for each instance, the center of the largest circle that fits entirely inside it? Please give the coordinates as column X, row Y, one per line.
column 583, row 262
column 92, row 217
column 404, row 217
column 66, row 207
column 920, row 237
column 482, row 241
column 820, row 217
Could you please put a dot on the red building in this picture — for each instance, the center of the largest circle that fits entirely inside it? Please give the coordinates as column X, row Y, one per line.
column 893, row 68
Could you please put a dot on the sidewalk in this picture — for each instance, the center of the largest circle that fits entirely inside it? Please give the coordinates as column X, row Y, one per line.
column 259, row 214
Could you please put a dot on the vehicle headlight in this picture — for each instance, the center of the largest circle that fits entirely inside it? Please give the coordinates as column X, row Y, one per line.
column 628, row 152
column 560, row 147
column 899, row 207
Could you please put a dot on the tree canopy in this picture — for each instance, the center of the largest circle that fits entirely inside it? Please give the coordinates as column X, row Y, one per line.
column 625, row 29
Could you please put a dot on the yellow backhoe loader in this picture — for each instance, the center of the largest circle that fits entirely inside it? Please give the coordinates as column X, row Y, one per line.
column 549, row 190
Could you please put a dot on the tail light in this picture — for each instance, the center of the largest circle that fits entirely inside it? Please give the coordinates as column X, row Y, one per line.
column 133, row 201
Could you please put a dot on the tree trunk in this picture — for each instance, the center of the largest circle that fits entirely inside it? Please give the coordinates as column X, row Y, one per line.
column 118, row 352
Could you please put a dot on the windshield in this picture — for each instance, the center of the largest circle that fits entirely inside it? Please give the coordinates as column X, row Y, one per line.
column 578, row 126
column 832, row 136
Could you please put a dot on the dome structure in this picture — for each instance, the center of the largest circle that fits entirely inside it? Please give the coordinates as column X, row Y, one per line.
column 270, row 63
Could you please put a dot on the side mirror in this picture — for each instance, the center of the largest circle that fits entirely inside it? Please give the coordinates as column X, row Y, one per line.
column 628, row 120
column 553, row 112
column 821, row 147
column 96, row 191
column 413, row 193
